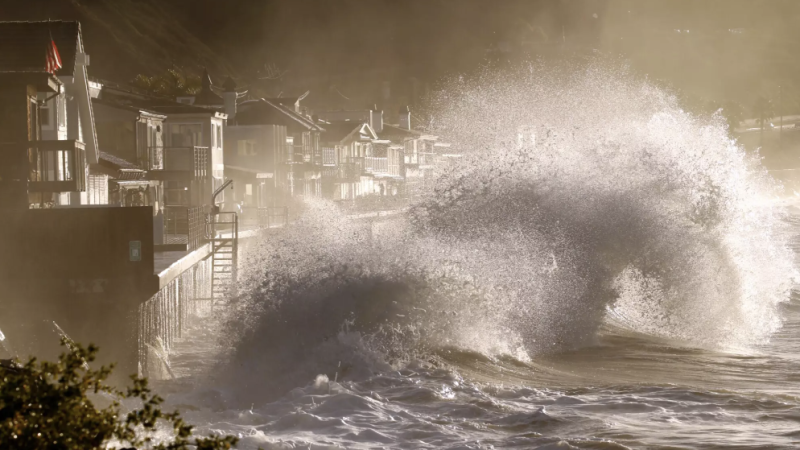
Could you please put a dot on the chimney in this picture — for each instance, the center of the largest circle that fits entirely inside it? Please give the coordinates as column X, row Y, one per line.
column 405, row 118
column 229, row 97
column 376, row 119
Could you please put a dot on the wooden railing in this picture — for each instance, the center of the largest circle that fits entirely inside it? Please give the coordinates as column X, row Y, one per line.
column 328, row 156
column 60, row 165
column 376, row 165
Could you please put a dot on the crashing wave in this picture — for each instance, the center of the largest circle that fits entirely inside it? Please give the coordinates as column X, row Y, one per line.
column 580, row 191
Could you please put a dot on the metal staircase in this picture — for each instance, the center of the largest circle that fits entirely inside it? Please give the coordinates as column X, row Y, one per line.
column 223, row 236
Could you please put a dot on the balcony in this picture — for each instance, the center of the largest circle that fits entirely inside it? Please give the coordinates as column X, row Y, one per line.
column 184, row 226
column 329, row 157
column 376, row 165
column 180, row 163
column 58, row 166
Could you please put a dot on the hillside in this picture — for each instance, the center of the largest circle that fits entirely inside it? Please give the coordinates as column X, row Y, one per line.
column 349, row 52
column 127, row 37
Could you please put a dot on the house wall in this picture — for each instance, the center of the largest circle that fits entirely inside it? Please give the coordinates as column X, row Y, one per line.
column 18, row 123
column 75, row 244
column 116, row 132
column 149, row 140
column 260, row 148
column 72, row 267
column 269, row 145
column 209, row 136
column 162, row 317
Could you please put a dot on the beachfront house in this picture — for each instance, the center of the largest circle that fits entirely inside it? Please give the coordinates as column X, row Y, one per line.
column 302, row 157
column 255, row 157
column 59, row 113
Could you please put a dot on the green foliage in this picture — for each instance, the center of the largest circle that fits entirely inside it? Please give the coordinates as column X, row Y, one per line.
column 52, row 406
column 170, row 84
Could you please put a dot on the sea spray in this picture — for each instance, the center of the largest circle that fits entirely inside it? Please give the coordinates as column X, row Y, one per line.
column 655, row 211
column 580, row 191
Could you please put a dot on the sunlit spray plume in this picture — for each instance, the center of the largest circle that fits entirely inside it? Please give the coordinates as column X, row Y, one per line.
column 67, row 340
column 580, row 191
column 645, row 208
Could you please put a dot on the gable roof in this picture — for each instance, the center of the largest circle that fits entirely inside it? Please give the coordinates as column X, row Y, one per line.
column 153, row 105
column 134, row 98
column 396, row 134
column 166, row 107
column 337, row 132
column 115, row 162
column 118, row 168
column 265, row 112
column 23, row 45
column 116, row 104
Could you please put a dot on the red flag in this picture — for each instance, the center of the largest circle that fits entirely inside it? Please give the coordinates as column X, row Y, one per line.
column 53, row 58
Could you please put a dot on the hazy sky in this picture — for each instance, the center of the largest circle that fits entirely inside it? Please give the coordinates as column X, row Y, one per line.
column 716, row 49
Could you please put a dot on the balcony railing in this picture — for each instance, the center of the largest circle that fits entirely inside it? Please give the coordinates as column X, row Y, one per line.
column 328, row 156
column 376, row 165
column 183, row 163
column 357, row 160
column 184, row 225
column 58, row 166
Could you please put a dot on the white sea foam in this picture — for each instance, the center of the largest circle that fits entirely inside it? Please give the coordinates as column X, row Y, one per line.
column 482, row 318
column 579, row 191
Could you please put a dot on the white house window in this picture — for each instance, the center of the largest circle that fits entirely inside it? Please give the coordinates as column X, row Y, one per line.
column 246, row 147
column 219, row 136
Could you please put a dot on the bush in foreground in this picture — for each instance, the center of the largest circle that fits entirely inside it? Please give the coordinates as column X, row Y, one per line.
column 46, row 405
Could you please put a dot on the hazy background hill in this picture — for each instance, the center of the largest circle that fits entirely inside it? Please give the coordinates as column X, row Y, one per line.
column 127, row 37
column 348, row 51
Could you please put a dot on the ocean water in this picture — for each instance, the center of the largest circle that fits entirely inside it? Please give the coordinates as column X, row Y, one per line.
column 599, row 269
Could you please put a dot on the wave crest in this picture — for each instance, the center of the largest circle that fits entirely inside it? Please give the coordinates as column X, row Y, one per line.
column 579, row 191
